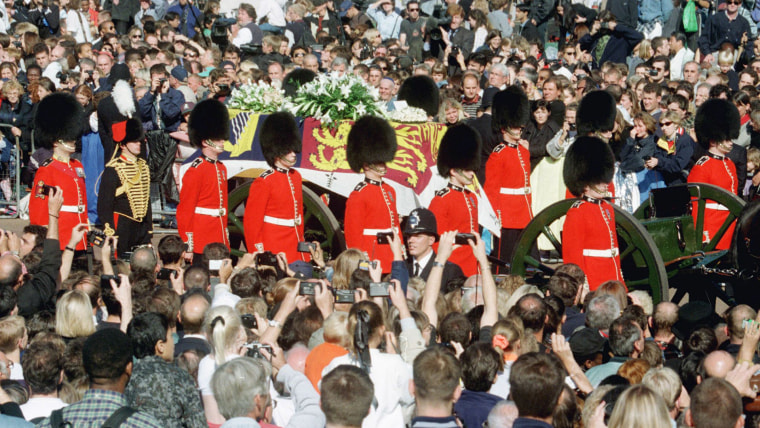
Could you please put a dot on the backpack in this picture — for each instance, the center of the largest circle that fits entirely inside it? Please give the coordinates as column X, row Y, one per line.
column 114, row 421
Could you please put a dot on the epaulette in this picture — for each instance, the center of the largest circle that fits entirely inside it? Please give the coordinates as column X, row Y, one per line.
column 702, row 160
column 47, row 162
column 360, row 186
column 266, row 173
column 112, row 162
column 196, row 162
column 499, row 148
column 576, row 204
column 443, row 192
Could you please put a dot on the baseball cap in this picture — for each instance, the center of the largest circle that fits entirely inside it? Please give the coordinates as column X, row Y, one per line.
column 586, row 343
column 421, row 220
column 179, row 73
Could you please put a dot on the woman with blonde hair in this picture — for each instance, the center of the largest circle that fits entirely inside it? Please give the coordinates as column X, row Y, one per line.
column 226, row 335
column 73, row 315
column 345, row 265
column 639, row 407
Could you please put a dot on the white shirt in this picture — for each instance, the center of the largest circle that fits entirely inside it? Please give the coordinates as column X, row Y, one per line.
column 390, row 375
column 51, row 72
column 271, row 10
column 41, row 407
column 206, row 369
column 17, row 372
column 78, row 26
column 244, row 36
column 423, row 261
column 679, row 59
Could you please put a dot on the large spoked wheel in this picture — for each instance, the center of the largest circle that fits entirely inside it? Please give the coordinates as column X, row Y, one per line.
column 701, row 192
column 642, row 265
column 319, row 222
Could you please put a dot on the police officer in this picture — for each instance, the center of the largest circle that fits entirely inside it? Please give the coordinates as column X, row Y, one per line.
column 124, row 195
column 371, row 207
column 58, row 125
column 456, row 207
column 202, row 208
column 274, row 210
column 589, row 237
column 716, row 125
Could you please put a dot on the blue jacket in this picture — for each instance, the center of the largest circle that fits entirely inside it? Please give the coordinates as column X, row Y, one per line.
column 618, row 48
column 672, row 165
column 719, row 29
column 190, row 16
column 171, row 109
column 651, row 10
column 473, row 407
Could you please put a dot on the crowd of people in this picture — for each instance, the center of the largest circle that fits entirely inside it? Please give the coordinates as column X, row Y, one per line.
column 543, row 100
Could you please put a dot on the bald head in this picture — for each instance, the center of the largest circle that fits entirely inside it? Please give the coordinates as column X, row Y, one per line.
column 718, row 364
column 664, row 317
column 10, row 270
column 191, row 313
column 296, row 357
column 735, row 319
column 503, row 414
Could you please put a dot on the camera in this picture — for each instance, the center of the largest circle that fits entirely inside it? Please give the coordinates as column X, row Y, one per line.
column 222, row 89
column 652, row 72
column 379, row 289
column 249, row 321
column 44, row 189
column 344, row 296
column 105, row 281
column 384, row 237
column 462, row 238
column 267, row 258
column 305, row 247
column 89, row 72
column 96, row 238
column 604, row 25
column 63, row 77
column 165, row 274
column 365, row 264
column 249, row 49
column 307, row 288
column 454, row 51
column 646, row 158
column 254, row 350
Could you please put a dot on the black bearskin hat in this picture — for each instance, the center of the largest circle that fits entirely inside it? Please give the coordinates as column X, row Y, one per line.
column 460, row 149
column 371, row 140
column 589, row 161
column 59, row 117
column 596, row 112
column 128, row 131
column 209, row 120
column 279, row 136
column 420, row 92
column 717, row 120
column 510, row 109
column 295, row 79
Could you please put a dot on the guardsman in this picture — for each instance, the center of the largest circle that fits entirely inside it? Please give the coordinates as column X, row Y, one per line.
column 508, row 168
column 124, row 195
column 371, row 207
column 58, row 125
column 202, row 209
column 589, row 237
column 716, row 125
column 274, row 211
column 456, row 207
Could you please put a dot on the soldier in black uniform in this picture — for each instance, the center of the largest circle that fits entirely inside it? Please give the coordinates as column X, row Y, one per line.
column 124, row 196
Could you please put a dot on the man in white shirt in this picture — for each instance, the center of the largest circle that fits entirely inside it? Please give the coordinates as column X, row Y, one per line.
column 681, row 55
column 272, row 12
column 246, row 31
column 43, row 372
column 50, row 69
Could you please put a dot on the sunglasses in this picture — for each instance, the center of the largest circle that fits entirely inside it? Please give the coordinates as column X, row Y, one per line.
column 666, row 123
column 737, row 2
column 300, row 54
column 414, row 10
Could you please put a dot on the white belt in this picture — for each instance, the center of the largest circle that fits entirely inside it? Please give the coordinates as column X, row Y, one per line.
column 715, row 206
column 213, row 212
column 613, row 252
column 73, row 208
column 374, row 232
column 515, row 191
column 279, row 221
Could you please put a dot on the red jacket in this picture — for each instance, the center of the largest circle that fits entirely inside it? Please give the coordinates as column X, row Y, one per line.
column 371, row 208
column 719, row 171
column 70, row 178
column 508, row 185
column 274, row 214
column 456, row 208
column 202, row 209
column 589, row 239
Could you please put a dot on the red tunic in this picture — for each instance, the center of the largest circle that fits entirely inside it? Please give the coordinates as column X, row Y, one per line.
column 456, row 208
column 274, row 214
column 371, row 208
column 508, row 185
column 589, row 240
column 202, row 209
column 719, row 171
column 70, row 178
